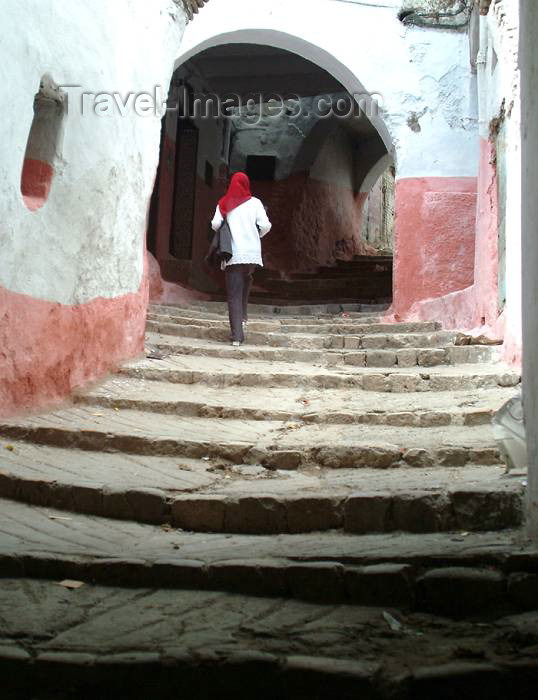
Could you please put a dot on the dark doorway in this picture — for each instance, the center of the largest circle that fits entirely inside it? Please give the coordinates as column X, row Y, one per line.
column 184, row 190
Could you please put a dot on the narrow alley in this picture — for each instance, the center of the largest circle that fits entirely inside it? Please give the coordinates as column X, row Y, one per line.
column 268, row 330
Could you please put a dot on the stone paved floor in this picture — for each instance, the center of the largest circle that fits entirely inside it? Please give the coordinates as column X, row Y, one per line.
column 100, row 626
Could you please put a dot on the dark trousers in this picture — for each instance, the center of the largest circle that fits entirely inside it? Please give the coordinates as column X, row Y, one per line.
column 238, row 284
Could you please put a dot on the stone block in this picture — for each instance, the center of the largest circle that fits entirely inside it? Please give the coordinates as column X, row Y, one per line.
column 333, row 359
column 352, row 343
column 367, row 512
column 147, row 505
column 189, row 574
column 430, row 419
column 452, row 456
column 116, row 505
column 376, row 382
column 282, row 459
column 471, row 355
column 87, row 499
column 406, row 357
column 421, row 512
column 311, row 514
column 380, row 358
column 478, row 417
column 374, row 342
column 402, row 419
column 198, row 514
column 523, row 590
column 337, row 342
column 255, row 515
column 43, row 492
column 380, row 584
column 508, row 379
column 239, row 576
column 432, row 358
column 403, row 383
column 356, row 359
column 116, row 572
column 9, row 484
column 486, row 510
column 371, row 456
column 485, row 455
column 459, row 591
column 316, row 581
column 418, row 457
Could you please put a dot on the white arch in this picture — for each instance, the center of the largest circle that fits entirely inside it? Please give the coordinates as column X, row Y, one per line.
column 301, row 47
column 363, row 45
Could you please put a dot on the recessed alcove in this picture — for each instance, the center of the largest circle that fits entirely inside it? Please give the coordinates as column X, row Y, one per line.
column 44, row 144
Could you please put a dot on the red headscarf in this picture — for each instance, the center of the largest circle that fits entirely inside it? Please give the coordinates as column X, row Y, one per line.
column 238, row 193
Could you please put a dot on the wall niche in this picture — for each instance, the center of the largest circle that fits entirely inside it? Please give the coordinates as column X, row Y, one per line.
column 44, row 145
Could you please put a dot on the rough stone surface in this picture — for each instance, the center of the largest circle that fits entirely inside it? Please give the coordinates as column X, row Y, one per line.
column 67, row 642
column 281, row 471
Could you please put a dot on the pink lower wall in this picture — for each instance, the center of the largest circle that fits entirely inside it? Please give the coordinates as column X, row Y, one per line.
column 475, row 308
column 49, row 349
column 434, row 239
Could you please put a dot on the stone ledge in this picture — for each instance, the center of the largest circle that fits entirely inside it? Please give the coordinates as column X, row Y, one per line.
column 454, row 508
column 456, row 592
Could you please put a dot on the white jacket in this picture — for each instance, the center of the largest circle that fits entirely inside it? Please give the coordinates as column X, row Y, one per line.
column 248, row 223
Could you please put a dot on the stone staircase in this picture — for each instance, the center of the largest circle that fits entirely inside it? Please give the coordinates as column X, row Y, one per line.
column 361, row 280
column 320, row 513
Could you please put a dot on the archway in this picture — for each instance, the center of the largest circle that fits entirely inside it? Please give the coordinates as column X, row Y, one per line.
column 309, row 165
column 428, row 122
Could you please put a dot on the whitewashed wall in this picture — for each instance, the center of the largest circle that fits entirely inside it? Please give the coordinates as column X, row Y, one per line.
column 87, row 241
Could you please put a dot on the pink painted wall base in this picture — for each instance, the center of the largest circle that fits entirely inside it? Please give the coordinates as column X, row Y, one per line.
column 444, row 241
column 434, row 239
column 47, row 350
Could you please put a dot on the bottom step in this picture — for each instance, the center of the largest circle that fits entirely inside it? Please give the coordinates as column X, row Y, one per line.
column 96, row 642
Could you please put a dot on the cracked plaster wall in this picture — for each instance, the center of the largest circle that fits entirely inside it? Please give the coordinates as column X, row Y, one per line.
column 87, row 241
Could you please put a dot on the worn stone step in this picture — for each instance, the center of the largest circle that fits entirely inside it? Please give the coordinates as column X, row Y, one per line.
column 273, row 444
column 279, row 327
column 333, row 355
column 282, row 403
column 234, row 371
column 220, row 496
column 461, row 574
column 269, row 323
column 113, row 642
column 184, row 314
column 221, row 307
